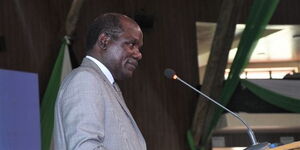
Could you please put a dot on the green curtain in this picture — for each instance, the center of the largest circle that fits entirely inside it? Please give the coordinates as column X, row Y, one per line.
column 260, row 14
column 48, row 101
column 279, row 100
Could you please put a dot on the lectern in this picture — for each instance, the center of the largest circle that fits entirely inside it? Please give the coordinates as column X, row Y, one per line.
column 290, row 146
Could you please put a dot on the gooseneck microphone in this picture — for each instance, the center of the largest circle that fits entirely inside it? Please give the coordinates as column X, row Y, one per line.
column 169, row 73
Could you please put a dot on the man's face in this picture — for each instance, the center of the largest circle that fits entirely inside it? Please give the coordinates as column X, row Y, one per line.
column 125, row 52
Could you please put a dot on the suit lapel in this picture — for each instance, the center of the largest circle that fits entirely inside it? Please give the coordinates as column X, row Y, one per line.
column 122, row 102
column 118, row 95
column 125, row 108
column 116, row 92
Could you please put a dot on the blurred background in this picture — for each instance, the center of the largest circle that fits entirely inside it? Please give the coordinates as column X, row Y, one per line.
column 177, row 34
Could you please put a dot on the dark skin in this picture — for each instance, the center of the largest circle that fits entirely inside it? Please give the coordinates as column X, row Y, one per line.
column 120, row 56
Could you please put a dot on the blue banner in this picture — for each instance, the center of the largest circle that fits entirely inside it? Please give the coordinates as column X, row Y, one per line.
column 19, row 111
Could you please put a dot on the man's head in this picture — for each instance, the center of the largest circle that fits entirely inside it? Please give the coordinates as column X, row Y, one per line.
column 115, row 40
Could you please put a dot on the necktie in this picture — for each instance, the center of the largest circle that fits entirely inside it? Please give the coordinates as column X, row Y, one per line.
column 116, row 87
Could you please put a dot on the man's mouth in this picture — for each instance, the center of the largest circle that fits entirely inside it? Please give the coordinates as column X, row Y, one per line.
column 132, row 64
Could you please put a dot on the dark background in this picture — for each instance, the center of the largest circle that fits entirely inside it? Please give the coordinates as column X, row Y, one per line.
column 31, row 33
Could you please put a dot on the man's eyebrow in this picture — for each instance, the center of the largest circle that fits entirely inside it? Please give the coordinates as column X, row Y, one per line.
column 133, row 40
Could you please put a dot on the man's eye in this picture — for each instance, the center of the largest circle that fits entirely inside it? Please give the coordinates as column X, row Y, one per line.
column 131, row 45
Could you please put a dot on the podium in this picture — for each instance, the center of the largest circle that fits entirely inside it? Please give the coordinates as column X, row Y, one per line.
column 272, row 128
column 290, row 146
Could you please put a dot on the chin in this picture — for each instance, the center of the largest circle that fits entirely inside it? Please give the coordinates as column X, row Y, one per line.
column 129, row 75
column 126, row 75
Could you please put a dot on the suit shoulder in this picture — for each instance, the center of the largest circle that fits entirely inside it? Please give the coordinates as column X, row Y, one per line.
column 82, row 76
column 81, row 81
column 83, row 72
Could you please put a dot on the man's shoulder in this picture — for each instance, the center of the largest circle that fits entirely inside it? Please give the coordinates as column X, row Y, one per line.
column 82, row 72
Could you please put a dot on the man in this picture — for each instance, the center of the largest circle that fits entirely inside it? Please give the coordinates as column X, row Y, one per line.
column 90, row 113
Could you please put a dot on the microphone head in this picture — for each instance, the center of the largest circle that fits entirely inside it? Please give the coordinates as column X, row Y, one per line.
column 169, row 73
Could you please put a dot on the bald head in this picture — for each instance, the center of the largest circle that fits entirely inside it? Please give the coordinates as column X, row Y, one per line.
column 110, row 24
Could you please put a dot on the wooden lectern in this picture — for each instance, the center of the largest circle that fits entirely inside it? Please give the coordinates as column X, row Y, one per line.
column 290, row 146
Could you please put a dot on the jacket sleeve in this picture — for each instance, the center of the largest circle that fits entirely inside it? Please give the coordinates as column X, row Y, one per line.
column 83, row 113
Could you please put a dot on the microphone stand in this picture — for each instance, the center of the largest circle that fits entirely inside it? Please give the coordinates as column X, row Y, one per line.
column 255, row 145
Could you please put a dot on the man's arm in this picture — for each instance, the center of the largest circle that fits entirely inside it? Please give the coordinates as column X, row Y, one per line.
column 83, row 113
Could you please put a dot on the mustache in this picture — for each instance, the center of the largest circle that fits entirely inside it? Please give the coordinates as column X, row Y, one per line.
column 133, row 62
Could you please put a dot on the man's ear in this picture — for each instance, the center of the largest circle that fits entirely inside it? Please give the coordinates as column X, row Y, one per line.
column 103, row 41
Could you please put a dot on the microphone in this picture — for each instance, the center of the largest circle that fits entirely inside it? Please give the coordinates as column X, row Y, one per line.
column 170, row 73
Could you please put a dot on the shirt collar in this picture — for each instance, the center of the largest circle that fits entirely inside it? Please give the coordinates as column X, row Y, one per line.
column 105, row 71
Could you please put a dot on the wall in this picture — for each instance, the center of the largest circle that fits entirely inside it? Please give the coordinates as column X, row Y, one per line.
column 287, row 11
column 162, row 108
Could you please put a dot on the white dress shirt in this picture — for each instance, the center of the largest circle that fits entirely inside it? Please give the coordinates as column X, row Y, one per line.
column 105, row 71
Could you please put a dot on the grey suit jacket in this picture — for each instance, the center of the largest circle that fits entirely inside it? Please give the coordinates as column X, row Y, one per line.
column 91, row 115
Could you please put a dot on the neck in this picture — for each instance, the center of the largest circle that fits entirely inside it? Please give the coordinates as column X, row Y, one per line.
column 101, row 57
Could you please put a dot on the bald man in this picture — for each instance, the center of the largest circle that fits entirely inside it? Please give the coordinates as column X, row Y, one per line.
column 90, row 112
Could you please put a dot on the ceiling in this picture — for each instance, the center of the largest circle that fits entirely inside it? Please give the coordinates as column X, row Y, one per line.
column 278, row 43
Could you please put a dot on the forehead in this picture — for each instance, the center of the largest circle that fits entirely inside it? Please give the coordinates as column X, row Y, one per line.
column 131, row 29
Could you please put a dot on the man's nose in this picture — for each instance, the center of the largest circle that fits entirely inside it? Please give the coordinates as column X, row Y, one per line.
column 137, row 54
